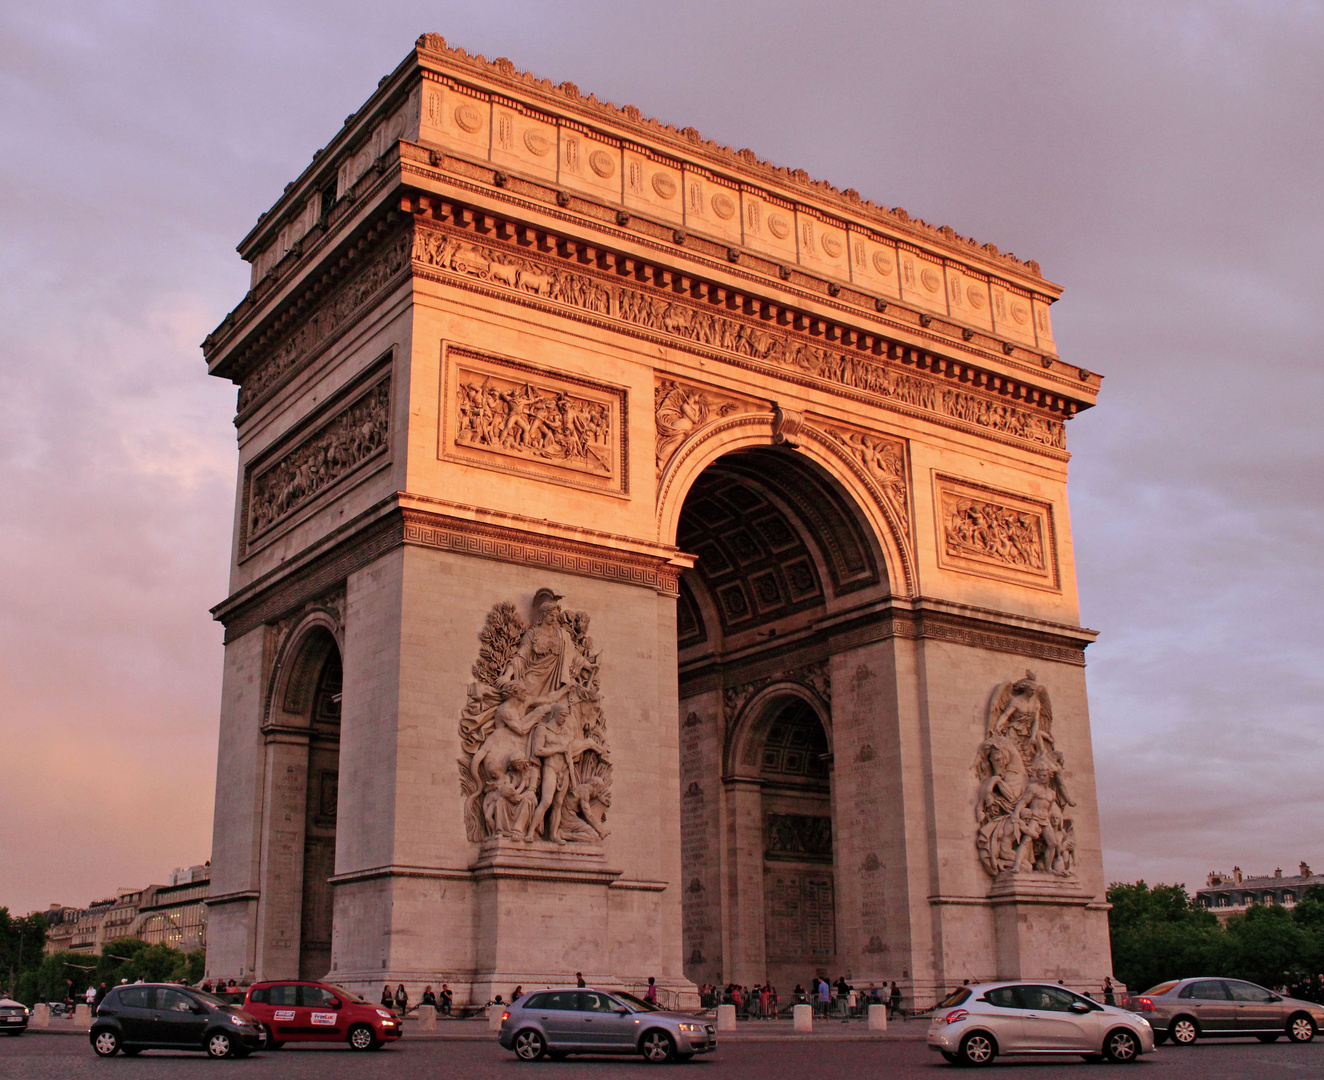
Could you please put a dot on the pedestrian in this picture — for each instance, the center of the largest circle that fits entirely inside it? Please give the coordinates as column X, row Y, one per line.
column 579, row 979
column 650, row 995
column 447, row 998
column 800, row 998
column 401, row 1000
column 894, row 1001
column 824, row 996
column 69, row 996
column 428, row 998
column 101, row 995
column 388, row 998
column 90, row 997
column 1109, row 995
column 516, row 994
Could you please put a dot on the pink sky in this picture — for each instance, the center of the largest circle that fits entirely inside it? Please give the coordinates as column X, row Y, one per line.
column 1161, row 160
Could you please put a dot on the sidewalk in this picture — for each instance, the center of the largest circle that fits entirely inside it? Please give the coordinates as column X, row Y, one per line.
column 748, row 1031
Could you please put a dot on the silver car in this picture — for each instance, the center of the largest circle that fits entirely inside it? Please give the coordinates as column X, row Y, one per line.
column 975, row 1024
column 1184, row 1010
column 572, row 1020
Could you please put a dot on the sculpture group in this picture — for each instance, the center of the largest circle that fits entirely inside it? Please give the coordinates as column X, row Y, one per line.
column 1022, row 803
column 535, row 764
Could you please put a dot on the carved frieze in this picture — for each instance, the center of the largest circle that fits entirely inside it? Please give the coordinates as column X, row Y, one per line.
column 290, row 479
column 1022, row 808
column 749, row 339
column 327, row 321
column 680, row 411
column 884, row 459
column 994, row 533
column 797, row 836
column 505, row 414
column 535, row 762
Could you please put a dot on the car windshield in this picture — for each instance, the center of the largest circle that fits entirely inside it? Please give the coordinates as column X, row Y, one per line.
column 637, row 1004
column 347, row 995
column 956, row 997
column 210, row 999
column 1162, row 988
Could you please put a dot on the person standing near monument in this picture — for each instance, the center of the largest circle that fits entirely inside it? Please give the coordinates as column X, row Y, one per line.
column 650, row 995
column 894, row 1001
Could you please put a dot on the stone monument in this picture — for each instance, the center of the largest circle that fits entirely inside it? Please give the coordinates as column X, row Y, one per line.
column 502, row 703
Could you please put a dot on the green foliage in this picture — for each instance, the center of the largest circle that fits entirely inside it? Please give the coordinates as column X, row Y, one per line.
column 21, row 942
column 127, row 959
column 1158, row 934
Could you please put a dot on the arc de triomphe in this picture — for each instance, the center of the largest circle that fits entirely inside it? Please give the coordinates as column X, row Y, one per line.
column 647, row 562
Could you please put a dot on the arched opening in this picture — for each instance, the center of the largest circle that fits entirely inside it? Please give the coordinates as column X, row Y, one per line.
column 800, row 937
column 302, row 736
column 782, row 550
column 319, row 830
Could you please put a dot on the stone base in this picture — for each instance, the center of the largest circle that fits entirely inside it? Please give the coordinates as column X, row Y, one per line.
column 1047, row 928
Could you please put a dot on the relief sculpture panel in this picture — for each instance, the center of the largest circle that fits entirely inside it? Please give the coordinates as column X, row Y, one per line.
column 680, row 410
column 1022, row 807
column 509, row 415
column 535, row 762
column 995, row 533
column 278, row 489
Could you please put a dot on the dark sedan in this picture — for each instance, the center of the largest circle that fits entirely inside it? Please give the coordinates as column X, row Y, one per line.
column 160, row 1016
column 13, row 1017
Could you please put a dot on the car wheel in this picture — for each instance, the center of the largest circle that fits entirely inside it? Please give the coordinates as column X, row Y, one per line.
column 529, row 1045
column 977, row 1048
column 1300, row 1028
column 1183, row 1031
column 1121, row 1047
column 361, row 1038
column 219, row 1045
column 106, row 1043
column 657, row 1047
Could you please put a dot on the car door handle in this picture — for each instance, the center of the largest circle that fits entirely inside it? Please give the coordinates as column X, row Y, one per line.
column 588, row 1019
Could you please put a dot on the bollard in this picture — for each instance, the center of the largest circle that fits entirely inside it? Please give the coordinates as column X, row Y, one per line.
column 726, row 1018
column 802, row 1018
column 877, row 1017
column 494, row 1017
column 82, row 1016
column 41, row 1015
column 427, row 1018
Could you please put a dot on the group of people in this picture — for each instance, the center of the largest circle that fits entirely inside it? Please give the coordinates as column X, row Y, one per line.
column 839, row 998
column 221, row 986
column 398, row 1000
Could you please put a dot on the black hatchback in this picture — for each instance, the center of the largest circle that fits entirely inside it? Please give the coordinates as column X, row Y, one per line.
column 161, row 1016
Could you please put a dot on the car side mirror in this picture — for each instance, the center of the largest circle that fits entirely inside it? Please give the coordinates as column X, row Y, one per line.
column 1079, row 1007
column 198, row 1009
column 621, row 1011
column 336, row 1003
column 1274, row 997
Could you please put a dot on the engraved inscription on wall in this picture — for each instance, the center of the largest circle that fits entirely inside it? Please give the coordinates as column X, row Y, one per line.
column 800, row 914
column 994, row 533
column 512, row 416
column 336, row 448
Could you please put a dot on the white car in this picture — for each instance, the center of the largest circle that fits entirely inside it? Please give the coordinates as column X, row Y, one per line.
column 974, row 1024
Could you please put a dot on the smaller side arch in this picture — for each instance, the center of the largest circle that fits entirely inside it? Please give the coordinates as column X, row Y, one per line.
column 298, row 664
column 740, row 757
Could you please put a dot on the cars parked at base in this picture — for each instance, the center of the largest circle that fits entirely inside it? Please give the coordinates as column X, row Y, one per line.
column 13, row 1017
column 573, row 1020
column 307, row 1011
column 974, row 1024
column 163, row 1016
column 1185, row 1010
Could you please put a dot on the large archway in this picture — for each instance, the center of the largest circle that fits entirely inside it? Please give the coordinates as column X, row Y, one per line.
column 780, row 548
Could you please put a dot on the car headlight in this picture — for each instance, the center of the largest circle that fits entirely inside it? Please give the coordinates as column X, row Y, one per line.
column 385, row 1015
column 237, row 1021
column 691, row 1027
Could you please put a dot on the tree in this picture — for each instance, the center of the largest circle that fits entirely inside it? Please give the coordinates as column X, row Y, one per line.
column 21, row 944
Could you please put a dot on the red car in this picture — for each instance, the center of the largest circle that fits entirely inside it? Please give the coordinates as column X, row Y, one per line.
column 319, row 1012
